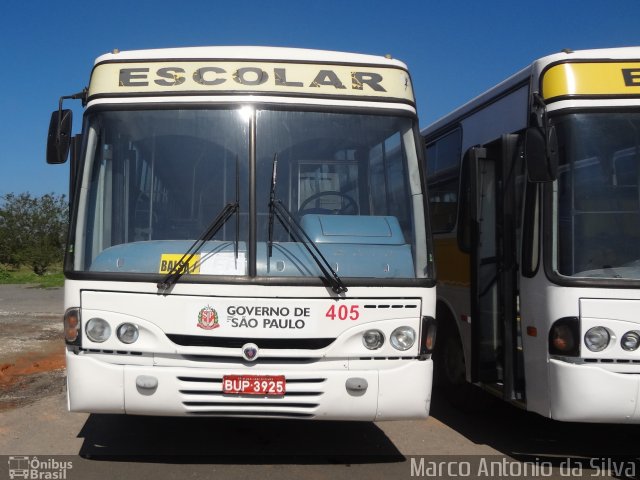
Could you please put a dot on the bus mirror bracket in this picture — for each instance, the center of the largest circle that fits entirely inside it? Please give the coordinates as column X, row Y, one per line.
column 59, row 136
column 541, row 145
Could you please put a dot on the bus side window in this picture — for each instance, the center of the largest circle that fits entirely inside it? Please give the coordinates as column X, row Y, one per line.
column 387, row 171
column 443, row 170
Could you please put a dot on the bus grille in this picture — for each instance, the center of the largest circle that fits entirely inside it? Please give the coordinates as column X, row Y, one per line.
column 203, row 396
column 238, row 342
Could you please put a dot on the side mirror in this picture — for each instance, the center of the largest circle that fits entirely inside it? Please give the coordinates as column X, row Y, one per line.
column 541, row 154
column 59, row 138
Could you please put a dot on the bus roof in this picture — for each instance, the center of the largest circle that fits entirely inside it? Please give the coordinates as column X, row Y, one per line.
column 251, row 53
column 531, row 73
column 234, row 71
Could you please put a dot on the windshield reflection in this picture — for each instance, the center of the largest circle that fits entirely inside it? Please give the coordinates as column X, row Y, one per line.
column 598, row 222
column 154, row 180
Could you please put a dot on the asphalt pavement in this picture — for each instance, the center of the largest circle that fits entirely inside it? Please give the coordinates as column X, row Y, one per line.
column 34, row 421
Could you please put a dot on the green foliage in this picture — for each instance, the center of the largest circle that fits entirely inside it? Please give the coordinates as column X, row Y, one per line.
column 33, row 230
column 53, row 278
column 4, row 274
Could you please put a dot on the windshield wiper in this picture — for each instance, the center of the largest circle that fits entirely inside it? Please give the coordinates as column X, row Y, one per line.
column 182, row 266
column 277, row 208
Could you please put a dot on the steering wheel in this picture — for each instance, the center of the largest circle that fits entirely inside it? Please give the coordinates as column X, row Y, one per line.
column 349, row 205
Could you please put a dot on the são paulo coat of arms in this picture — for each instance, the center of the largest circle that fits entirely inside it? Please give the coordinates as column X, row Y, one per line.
column 208, row 318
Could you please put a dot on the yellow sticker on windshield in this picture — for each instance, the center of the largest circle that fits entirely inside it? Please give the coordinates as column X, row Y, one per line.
column 168, row 262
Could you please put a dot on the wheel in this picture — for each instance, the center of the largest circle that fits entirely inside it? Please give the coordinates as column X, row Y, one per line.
column 349, row 205
column 449, row 363
column 450, row 373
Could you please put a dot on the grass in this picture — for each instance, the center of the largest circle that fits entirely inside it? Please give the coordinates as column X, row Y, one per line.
column 53, row 278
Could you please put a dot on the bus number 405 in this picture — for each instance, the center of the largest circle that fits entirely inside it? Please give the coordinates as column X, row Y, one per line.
column 343, row 312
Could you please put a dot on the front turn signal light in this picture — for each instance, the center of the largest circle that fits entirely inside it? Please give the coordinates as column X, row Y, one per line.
column 428, row 331
column 71, row 323
column 564, row 337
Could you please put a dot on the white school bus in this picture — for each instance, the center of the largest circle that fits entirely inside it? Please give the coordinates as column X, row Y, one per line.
column 535, row 209
column 248, row 237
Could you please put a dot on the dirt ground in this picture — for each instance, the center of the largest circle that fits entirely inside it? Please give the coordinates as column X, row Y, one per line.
column 31, row 344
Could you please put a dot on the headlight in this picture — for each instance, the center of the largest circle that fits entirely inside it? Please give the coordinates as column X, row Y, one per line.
column 597, row 339
column 373, row 339
column 403, row 338
column 630, row 341
column 127, row 333
column 98, row 330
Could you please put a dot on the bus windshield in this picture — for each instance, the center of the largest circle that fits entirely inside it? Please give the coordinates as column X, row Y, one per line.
column 598, row 199
column 153, row 181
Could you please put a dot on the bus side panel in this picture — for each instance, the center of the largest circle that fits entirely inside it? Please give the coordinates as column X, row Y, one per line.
column 535, row 312
column 506, row 115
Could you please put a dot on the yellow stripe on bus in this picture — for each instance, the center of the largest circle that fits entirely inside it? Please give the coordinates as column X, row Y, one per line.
column 452, row 266
column 592, row 78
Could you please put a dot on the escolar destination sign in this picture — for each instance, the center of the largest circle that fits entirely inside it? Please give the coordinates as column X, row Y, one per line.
column 217, row 77
column 591, row 79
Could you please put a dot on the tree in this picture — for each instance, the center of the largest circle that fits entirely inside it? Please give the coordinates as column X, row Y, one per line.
column 33, row 230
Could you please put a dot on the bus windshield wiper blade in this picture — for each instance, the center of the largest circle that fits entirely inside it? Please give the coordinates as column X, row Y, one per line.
column 181, row 267
column 277, row 208
column 296, row 230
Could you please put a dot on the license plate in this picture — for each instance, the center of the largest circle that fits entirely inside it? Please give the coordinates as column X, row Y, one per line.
column 254, row 384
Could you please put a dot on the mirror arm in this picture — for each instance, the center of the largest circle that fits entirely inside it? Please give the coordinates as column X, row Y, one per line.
column 546, row 144
column 76, row 96
column 542, row 120
column 540, row 111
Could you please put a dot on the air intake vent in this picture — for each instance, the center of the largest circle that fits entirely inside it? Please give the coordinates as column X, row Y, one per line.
column 203, row 396
column 235, row 342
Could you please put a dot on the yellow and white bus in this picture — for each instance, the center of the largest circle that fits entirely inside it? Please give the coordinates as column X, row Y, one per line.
column 248, row 237
column 535, row 208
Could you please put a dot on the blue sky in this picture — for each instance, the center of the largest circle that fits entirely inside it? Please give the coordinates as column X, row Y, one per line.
column 454, row 50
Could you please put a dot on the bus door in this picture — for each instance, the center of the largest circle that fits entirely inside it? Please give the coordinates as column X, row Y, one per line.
column 494, row 330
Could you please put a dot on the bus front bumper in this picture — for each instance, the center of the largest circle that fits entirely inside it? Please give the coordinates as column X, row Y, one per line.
column 588, row 393
column 401, row 390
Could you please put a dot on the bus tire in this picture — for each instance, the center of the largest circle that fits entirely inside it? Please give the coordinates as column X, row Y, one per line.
column 450, row 372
